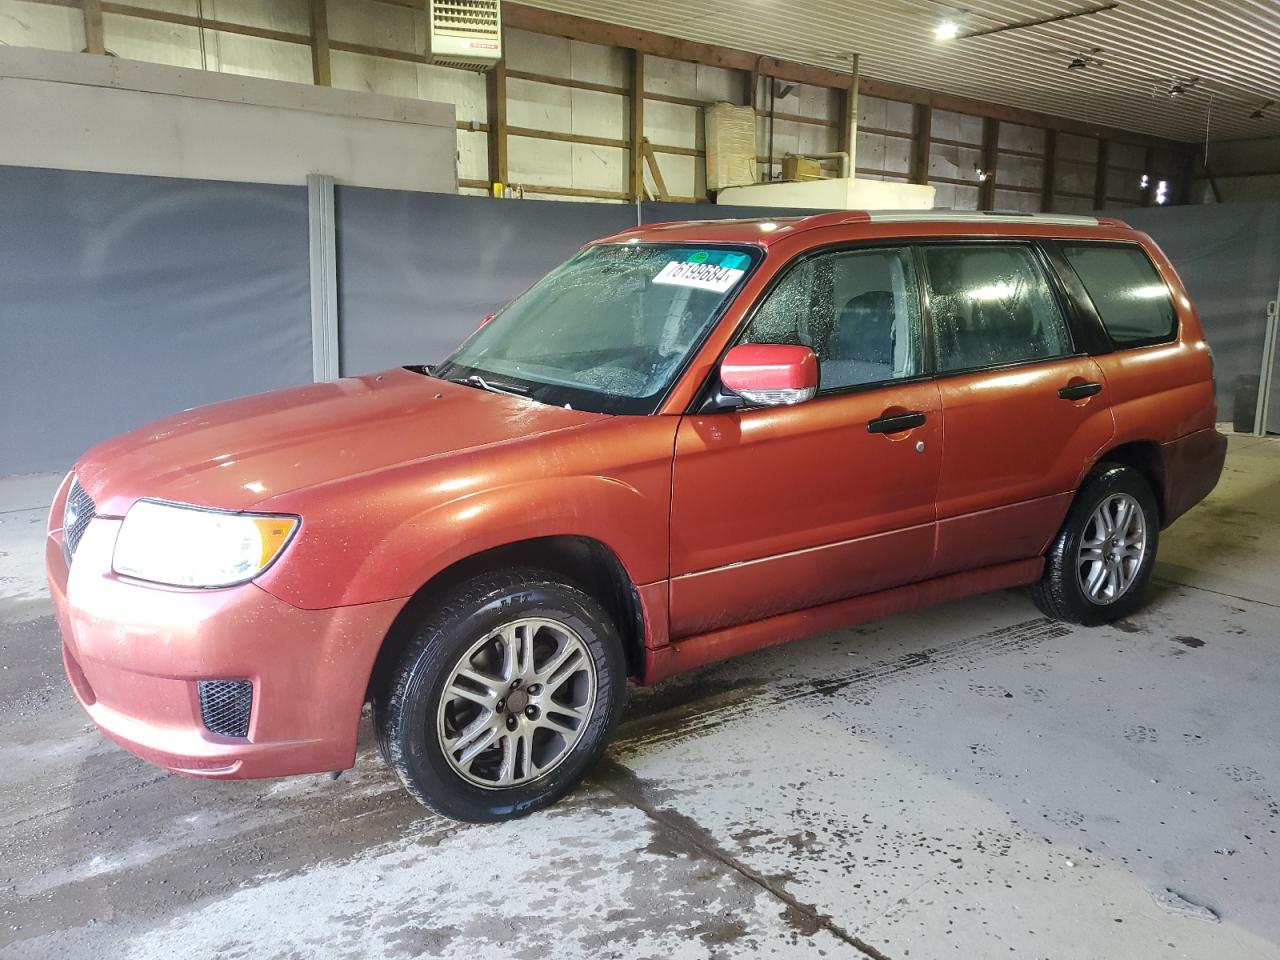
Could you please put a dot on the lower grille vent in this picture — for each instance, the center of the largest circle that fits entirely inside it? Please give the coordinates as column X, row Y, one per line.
column 225, row 706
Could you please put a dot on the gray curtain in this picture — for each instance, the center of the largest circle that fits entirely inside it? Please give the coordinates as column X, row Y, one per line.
column 418, row 271
column 1228, row 255
column 124, row 298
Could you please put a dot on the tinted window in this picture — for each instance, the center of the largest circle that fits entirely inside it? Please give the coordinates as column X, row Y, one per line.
column 858, row 310
column 992, row 304
column 1129, row 293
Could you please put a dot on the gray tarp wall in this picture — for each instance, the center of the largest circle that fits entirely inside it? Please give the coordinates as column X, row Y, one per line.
column 1228, row 255
column 124, row 298
column 418, row 271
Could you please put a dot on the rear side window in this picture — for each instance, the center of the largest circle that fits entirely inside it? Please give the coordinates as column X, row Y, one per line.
column 991, row 304
column 1129, row 294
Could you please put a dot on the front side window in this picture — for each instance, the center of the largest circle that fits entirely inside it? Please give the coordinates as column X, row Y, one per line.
column 991, row 304
column 609, row 330
column 1131, row 297
column 858, row 310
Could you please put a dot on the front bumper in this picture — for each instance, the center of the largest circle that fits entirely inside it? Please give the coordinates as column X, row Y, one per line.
column 134, row 653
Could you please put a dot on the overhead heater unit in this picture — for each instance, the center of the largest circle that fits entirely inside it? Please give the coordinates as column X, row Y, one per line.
column 466, row 34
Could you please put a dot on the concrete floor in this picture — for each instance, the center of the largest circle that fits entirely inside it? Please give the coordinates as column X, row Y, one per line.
column 970, row 780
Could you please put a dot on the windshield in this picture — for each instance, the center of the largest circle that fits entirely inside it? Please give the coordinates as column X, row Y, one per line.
column 609, row 330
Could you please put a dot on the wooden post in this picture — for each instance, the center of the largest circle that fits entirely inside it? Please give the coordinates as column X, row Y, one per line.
column 93, row 40
column 1100, row 174
column 990, row 146
column 637, row 126
column 320, row 71
column 1049, row 170
column 497, row 103
column 922, row 143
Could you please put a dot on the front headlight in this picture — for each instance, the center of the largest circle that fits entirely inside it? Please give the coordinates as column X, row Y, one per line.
column 194, row 547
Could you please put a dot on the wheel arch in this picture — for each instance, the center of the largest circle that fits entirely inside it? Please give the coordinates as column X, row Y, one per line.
column 1146, row 458
column 583, row 561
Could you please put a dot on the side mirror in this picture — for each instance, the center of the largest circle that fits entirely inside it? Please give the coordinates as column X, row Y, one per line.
column 770, row 374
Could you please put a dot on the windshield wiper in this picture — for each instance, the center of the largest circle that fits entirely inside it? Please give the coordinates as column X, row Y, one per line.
column 510, row 389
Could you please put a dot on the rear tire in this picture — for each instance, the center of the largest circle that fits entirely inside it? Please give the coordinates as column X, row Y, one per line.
column 504, row 697
column 1102, row 558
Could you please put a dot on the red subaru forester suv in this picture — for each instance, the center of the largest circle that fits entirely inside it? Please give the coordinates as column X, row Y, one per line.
column 690, row 441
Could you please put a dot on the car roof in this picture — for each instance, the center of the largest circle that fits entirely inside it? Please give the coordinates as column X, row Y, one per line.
column 765, row 231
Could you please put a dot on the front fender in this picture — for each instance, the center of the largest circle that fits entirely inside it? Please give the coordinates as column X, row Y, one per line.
column 330, row 567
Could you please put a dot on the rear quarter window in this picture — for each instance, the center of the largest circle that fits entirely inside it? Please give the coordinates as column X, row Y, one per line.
column 1128, row 292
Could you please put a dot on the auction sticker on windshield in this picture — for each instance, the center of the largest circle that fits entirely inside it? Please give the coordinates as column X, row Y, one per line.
column 699, row 269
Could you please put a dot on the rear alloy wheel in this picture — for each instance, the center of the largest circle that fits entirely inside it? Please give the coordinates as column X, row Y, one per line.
column 1112, row 549
column 504, row 697
column 1098, row 564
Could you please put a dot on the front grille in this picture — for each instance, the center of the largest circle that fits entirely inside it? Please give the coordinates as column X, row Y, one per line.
column 225, row 706
column 80, row 509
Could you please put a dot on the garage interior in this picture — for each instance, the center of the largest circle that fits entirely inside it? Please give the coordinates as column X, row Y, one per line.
column 201, row 199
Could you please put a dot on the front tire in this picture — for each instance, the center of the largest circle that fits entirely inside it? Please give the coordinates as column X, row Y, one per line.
column 1102, row 558
column 504, row 697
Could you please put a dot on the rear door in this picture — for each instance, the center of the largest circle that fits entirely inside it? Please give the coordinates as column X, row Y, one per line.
column 782, row 508
column 1025, row 410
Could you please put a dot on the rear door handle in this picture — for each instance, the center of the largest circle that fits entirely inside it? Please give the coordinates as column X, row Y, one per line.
column 1078, row 391
column 896, row 423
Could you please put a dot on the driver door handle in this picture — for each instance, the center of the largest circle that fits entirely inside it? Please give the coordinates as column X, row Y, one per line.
column 1078, row 391
column 896, row 423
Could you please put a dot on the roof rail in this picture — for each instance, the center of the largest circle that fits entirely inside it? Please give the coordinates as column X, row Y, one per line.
column 980, row 216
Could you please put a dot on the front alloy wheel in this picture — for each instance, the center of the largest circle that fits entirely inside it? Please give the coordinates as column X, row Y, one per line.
column 518, row 703
column 503, row 697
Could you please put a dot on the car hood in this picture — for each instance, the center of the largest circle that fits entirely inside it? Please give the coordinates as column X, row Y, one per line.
column 238, row 453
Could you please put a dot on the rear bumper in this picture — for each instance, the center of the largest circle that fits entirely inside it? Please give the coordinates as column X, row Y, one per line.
column 1192, row 466
column 134, row 653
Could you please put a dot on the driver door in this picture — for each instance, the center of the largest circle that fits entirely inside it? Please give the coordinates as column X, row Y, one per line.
column 777, row 509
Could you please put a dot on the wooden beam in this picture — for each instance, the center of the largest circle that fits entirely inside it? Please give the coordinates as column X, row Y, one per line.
column 655, row 170
column 921, row 144
column 1049, row 171
column 533, row 134
column 990, row 157
column 635, row 177
column 1100, row 175
column 496, row 96
column 203, row 23
column 321, row 74
column 93, row 39
column 566, row 82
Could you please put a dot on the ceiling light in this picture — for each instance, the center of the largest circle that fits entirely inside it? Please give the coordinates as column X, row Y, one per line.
column 947, row 30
